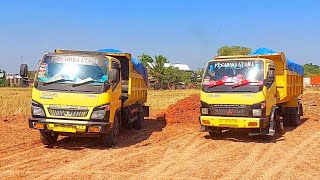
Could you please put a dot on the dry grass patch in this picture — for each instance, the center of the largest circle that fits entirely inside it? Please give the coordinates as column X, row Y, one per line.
column 159, row 100
column 14, row 101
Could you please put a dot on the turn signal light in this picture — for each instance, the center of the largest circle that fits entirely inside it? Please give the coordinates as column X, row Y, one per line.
column 38, row 125
column 252, row 124
column 206, row 122
column 94, row 129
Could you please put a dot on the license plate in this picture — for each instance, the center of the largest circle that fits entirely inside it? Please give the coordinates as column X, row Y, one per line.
column 228, row 122
column 61, row 128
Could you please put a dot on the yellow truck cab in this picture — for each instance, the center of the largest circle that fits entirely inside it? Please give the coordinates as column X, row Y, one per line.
column 87, row 93
column 257, row 92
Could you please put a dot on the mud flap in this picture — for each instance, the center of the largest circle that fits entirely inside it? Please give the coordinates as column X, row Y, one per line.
column 271, row 129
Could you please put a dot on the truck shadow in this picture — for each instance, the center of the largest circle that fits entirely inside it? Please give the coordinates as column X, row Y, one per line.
column 127, row 137
column 242, row 136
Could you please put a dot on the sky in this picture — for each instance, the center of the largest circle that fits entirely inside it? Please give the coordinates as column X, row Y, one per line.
column 188, row 31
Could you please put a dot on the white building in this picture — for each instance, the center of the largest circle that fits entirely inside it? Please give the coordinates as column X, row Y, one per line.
column 179, row 66
column 306, row 81
column 14, row 79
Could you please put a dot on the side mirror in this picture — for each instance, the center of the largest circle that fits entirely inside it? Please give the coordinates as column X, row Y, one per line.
column 24, row 70
column 114, row 76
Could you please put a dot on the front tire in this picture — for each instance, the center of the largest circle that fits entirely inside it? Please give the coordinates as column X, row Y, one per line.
column 111, row 138
column 48, row 137
column 215, row 133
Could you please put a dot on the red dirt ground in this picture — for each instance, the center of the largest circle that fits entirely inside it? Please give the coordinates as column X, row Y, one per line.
column 165, row 150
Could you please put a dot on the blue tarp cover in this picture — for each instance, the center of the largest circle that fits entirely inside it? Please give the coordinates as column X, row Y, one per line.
column 137, row 65
column 290, row 64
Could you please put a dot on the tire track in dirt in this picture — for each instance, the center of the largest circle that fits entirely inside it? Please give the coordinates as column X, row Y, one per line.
column 308, row 145
column 174, row 151
column 189, row 157
column 37, row 156
column 20, row 153
column 249, row 159
column 94, row 160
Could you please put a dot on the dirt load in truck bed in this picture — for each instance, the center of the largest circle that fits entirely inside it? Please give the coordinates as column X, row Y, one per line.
column 164, row 150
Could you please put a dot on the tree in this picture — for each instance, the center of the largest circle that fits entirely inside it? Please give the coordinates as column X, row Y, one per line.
column 145, row 59
column 233, row 50
column 157, row 71
column 311, row 69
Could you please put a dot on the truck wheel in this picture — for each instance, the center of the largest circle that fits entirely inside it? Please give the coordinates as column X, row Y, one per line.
column 111, row 138
column 48, row 137
column 140, row 121
column 286, row 120
column 300, row 109
column 279, row 124
column 294, row 120
column 215, row 133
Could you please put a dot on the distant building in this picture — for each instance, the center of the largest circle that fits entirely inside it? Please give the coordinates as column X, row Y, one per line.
column 306, row 81
column 14, row 79
column 17, row 80
column 179, row 66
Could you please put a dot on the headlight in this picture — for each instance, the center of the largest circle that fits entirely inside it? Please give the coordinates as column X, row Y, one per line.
column 204, row 110
column 99, row 114
column 38, row 111
column 257, row 112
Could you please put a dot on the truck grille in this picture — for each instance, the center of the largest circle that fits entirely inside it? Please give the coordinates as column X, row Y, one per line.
column 68, row 113
column 229, row 110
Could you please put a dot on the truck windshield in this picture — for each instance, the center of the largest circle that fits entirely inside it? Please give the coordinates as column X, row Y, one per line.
column 231, row 72
column 72, row 69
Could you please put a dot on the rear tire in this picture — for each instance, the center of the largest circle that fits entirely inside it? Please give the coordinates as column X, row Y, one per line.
column 48, row 137
column 111, row 138
column 295, row 120
column 279, row 124
column 139, row 123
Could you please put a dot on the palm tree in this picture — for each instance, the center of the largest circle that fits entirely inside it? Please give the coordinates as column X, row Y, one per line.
column 157, row 71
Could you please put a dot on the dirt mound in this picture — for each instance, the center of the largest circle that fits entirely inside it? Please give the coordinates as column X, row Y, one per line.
column 185, row 111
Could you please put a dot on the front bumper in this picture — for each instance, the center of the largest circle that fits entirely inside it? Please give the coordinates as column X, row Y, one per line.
column 233, row 122
column 69, row 126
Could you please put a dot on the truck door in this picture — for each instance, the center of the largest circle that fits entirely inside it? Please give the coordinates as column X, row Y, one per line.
column 271, row 98
column 115, row 97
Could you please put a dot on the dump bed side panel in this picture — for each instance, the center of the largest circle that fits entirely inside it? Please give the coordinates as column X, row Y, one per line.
column 289, row 85
column 137, row 87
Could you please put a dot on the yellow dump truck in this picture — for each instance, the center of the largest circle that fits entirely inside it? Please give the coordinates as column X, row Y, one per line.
column 88, row 93
column 258, row 92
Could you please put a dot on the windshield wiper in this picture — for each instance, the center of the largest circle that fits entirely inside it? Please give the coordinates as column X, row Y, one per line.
column 85, row 81
column 54, row 79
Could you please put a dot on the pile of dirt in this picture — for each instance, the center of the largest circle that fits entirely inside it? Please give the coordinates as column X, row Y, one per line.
column 185, row 111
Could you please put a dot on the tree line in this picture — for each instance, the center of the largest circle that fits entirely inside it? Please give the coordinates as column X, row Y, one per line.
column 162, row 77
